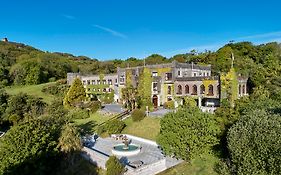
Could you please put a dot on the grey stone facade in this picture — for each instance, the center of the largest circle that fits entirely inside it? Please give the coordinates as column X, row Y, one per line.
column 180, row 79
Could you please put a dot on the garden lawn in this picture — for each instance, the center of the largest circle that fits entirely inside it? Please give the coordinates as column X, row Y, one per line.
column 34, row 90
column 147, row 128
column 88, row 125
column 198, row 166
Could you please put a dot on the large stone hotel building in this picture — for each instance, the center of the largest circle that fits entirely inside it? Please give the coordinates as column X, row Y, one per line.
column 169, row 82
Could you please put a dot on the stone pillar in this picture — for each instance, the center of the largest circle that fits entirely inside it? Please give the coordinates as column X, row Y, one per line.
column 245, row 89
column 199, row 102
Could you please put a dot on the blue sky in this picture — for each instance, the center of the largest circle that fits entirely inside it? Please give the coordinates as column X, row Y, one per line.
column 109, row 29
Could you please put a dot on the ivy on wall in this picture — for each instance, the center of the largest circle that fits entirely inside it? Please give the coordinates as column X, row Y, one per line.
column 128, row 77
column 229, row 86
column 207, row 82
column 101, row 76
column 144, row 88
column 163, row 70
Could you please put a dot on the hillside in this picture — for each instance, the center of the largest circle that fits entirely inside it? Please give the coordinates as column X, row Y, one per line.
column 24, row 65
column 35, row 90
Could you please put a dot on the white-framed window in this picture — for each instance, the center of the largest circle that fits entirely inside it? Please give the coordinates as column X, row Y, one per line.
column 154, row 74
column 154, row 85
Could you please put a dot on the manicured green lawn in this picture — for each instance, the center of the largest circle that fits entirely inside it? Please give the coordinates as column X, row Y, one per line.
column 94, row 117
column 199, row 166
column 89, row 124
column 147, row 128
column 34, row 90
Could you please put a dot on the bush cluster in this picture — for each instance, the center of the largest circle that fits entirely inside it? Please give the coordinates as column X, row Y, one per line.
column 92, row 106
column 78, row 113
column 111, row 127
column 169, row 105
column 58, row 89
column 113, row 166
column 138, row 115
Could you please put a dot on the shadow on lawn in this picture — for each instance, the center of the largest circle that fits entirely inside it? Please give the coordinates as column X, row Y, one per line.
column 87, row 128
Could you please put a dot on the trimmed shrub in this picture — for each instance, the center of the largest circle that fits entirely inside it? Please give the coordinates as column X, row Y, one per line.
column 113, row 166
column 169, row 105
column 188, row 133
column 138, row 115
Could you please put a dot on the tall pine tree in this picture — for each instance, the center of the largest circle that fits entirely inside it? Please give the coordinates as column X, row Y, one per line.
column 76, row 93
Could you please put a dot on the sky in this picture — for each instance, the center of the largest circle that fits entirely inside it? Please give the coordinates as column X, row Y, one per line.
column 119, row 29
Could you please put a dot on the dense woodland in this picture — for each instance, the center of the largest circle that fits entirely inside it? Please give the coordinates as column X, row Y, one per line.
column 41, row 138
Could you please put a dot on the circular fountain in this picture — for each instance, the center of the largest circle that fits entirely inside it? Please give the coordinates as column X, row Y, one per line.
column 125, row 149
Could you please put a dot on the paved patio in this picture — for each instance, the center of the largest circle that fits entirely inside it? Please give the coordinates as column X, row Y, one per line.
column 112, row 108
column 150, row 152
column 160, row 112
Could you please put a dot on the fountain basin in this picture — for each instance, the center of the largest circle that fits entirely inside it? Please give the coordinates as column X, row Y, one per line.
column 123, row 150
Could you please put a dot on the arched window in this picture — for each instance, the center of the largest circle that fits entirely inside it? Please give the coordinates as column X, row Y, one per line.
column 179, row 89
column 202, row 89
column 211, row 90
column 169, row 90
column 194, row 90
column 186, row 89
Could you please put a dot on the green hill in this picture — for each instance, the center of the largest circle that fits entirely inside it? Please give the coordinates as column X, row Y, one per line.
column 34, row 90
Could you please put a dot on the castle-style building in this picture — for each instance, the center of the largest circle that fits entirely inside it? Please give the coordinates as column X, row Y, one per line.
column 170, row 81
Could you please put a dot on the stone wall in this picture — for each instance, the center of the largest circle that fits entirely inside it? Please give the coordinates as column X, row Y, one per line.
column 95, row 157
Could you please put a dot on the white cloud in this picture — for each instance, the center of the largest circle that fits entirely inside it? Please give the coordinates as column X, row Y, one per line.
column 260, row 36
column 111, row 31
column 70, row 17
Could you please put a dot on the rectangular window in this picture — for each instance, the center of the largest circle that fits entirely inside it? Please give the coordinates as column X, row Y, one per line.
column 154, row 74
column 194, row 74
column 168, row 76
column 179, row 73
column 110, row 82
column 154, row 86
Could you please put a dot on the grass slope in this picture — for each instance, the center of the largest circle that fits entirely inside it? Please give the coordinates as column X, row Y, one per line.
column 199, row 166
column 34, row 90
column 89, row 125
column 147, row 128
